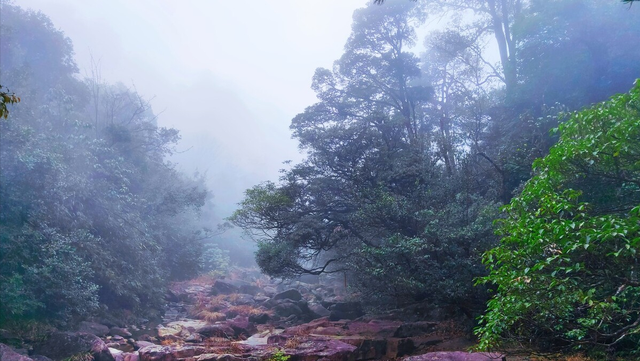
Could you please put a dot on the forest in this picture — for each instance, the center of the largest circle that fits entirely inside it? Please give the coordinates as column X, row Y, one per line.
column 493, row 174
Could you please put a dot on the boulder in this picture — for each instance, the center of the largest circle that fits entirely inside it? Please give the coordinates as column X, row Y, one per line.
column 156, row 353
column 250, row 289
column 216, row 330
column 243, row 299
column 39, row 358
column 223, row 288
column 326, row 350
column 269, row 291
column 414, row 329
column 141, row 344
column 286, row 309
column 345, row 311
column 259, row 318
column 291, row 294
column 61, row 345
column 93, row 328
column 8, row 354
column 318, row 310
column 457, row 356
column 242, row 326
column 118, row 331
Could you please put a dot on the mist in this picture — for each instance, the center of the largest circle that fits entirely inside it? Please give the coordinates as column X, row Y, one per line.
column 343, row 179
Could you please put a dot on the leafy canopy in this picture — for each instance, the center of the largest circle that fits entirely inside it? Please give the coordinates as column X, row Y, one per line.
column 567, row 267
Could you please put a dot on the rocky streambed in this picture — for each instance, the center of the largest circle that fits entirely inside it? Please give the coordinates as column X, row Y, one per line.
column 229, row 320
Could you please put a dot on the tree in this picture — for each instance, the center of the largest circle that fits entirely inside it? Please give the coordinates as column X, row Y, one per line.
column 6, row 98
column 380, row 197
column 566, row 270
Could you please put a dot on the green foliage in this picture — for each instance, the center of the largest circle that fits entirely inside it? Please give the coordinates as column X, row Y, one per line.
column 279, row 355
column 384, row 195
column 6, row 98
column 215, row 261
column 91, row 215
column 566, row 270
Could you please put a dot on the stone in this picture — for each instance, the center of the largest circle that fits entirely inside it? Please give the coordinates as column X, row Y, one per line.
column 223, row 288
column 39, row 358
column 345, row 311
column 457, row 356
column 259, row 318
column 286, row 309
column 291, row 294
column 156, row 353
column 242, row 326
column 118, row 331
column 93, row 328
column 140, row 344
column 326, row 350
column 414, row 329
column 61, row 345
column 216, row 330
column 8, row 354
column 318, row 310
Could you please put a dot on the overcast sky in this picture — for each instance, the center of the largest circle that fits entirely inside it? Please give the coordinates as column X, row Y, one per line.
column 229, row 74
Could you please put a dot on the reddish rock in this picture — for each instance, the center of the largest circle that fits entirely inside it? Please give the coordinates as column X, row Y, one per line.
column 156, row 353
column 8, row 354
column 415, row 329
column 457, row 356
column 216, row 330
column 326, row 350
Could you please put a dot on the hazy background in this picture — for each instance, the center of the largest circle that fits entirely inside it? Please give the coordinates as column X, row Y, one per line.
column 230, row 75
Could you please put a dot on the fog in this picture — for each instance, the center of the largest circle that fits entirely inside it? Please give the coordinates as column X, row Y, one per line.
column 230, row 75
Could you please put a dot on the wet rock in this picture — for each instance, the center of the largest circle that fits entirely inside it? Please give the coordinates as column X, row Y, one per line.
column 318, row 310
column 216, row 330
column 345, row 311
column 327, row 350
column 250, row 289
column 133, row 356
column 291, row 294
column 269, row 291
column 117, row 331
column 286, row 309
column 414, row 329
column 242, row 326
column 399, row 347
column 457, row 356
column 141, row 344
column 8, row 354
column 223, row 288
column 243, row 299
column 61, row 345
column 156, row 353
column 187, row 351
column 93, row 328
column 259, row 318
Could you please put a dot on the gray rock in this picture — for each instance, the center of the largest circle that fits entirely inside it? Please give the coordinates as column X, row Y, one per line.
column 93, row 328
column 117, row 331
column 414, row 329
column 156, row 353
column 286, row 309
column 141, row 344
column 291, row 294
column 216, row 330
column 345, row 311
column 318, row 310
column 8, row 354
column 223, row 288
column 61, row 345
